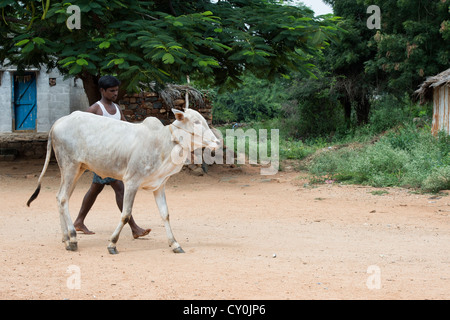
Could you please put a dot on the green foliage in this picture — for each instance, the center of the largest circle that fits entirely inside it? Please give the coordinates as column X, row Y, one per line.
column 411, row 43
column 295, row 149
column 288, row 148
column 255, row 100
column 407, row 157
column 389, row 111
column 163, row 41
column 439, row 179
column 345, row 60
column 312, row 108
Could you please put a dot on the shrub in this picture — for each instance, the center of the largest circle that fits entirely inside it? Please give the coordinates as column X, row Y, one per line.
column 438, row 180
column 313, row 109
column 407, row 156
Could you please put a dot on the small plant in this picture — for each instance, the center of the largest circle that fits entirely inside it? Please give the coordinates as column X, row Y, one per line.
column 379, row 192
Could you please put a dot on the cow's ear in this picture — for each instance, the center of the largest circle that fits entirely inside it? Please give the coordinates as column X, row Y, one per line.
column 179, row 115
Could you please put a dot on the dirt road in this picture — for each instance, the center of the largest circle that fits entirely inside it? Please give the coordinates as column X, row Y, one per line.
column 246, row 236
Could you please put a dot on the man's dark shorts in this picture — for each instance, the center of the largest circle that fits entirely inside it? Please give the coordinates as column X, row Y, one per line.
column 98, row 179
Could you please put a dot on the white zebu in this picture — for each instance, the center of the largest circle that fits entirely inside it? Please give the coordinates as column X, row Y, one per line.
column 141, row 155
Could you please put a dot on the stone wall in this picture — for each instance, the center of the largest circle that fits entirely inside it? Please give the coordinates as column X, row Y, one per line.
column 138, row 106
column 31, row 145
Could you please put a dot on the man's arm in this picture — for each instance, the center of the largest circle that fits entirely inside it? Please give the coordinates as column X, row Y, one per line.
column 122, row 117
column 95, row 109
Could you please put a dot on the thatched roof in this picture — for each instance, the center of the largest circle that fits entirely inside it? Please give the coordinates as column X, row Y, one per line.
column 172, row 92
column 425, row 91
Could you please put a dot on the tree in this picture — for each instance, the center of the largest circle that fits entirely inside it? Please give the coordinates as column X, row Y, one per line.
column 346, row 60
column 256, row 99
column 144, row 41
column 313, row 109
column 411, row 44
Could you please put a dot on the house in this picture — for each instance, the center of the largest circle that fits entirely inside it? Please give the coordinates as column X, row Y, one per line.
column 437, row 88
column 31, row 101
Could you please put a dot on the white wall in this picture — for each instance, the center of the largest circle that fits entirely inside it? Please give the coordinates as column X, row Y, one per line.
column 5, row 102
column 78, row 98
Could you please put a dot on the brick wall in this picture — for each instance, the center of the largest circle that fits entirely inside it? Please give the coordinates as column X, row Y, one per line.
column 138, row 106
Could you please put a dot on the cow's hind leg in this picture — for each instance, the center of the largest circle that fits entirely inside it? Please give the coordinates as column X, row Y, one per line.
column 160, row 198
column 69, row 177
column 128, row 199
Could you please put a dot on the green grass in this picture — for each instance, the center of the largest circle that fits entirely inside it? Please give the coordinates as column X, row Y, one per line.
column 404, row 156
column 289, row 148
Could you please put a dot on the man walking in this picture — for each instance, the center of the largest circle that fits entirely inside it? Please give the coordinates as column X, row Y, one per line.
column 109, row 89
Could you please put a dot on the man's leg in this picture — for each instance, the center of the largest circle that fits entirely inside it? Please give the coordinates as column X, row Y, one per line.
column 137, row 231
column 86, row 205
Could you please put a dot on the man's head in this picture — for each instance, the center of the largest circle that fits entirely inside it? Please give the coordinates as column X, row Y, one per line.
column 109, row 87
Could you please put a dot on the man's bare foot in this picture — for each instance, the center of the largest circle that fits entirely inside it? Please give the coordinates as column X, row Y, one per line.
column 83, row 228
column 139, row 232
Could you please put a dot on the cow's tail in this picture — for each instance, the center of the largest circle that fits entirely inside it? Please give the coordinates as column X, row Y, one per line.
column 47, row 160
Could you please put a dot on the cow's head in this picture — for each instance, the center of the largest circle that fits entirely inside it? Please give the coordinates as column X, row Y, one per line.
column 191, row 127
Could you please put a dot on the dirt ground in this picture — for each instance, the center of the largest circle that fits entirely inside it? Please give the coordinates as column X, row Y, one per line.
column 246, row 236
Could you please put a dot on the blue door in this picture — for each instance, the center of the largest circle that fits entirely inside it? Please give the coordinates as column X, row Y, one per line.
column 24, row 95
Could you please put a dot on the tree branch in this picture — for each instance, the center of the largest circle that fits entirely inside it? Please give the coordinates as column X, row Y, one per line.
column 147, row 15
column 15, row 20
column 172, row 9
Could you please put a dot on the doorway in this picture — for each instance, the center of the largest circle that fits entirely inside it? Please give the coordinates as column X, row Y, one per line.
column 25, row 102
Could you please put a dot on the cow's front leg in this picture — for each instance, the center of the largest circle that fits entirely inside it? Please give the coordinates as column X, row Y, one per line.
column 128, row 199
column 69, row 177
column 160, row 197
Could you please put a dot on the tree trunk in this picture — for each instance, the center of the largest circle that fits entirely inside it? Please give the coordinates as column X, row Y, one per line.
column 347, row 104
column 354, row 95
column 363, row 110
column 90, row 84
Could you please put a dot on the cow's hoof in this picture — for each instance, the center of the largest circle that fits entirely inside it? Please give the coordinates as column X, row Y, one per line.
column 112, row 250
column 72, row 246
column 178, row 250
